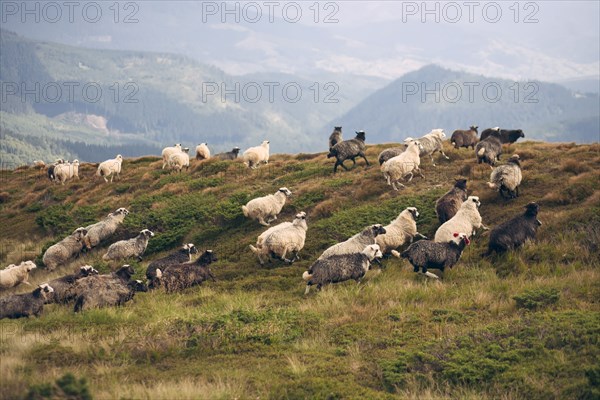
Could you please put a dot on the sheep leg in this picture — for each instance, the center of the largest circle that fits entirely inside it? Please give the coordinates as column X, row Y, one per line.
column 307, row 290
column 261, row 221
column 444, row 154
column 363, row 156
column 411, row 177
column 346, row 168
column 421, row 236
column 429, row 274
column 211, row 276
column 139, row 258
column 517, row 190
column 27, row 283
column 420, row 173
column 432, row 162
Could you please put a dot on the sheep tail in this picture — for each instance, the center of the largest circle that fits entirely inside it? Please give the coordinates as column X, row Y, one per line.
column 481, row 152
column 306, row 275
column 492, row 185
column 106, row 257
column 254, row 249
column 245, row 211
column 396, row 254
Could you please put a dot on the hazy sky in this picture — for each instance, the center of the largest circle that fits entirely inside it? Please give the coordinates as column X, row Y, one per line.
column 548, row 40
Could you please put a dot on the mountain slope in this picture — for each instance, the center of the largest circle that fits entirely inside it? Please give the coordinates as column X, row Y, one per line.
column 434, row 97
column 159, row 99
column 253, row 334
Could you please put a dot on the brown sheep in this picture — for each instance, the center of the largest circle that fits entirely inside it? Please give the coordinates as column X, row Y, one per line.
column 182, row 276
column 447, row 205
column 465, row 139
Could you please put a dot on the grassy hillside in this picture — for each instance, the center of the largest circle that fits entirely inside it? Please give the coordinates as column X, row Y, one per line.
column 522, row 325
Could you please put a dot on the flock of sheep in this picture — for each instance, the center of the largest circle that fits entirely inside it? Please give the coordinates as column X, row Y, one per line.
column 457, row 212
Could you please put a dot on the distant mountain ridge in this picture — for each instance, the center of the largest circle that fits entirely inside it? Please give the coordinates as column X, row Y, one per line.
column 435, row 97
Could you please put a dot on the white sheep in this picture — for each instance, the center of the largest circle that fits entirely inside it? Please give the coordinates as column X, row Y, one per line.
column 133, row 247
column 431, row 143
column 13, row 275
column 167, row 151
column 356, row 243
column 283, row 240
column 110, row 168
column 265, row 209
column 180, row 160
column 507, row 178
column 60, row 253
column 403, row 165
column 467, row 220
column 202, row 152
column 399, row 232
column 104, row 229
column 65, row 172
column 256, row 155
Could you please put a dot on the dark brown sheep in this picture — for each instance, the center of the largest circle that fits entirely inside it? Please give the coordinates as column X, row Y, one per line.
column 182, row 276
column 335, row 137
column 461, row 138
column 447, row 205
column 25, row 305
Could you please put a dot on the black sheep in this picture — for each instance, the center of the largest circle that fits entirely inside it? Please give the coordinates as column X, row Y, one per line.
column 341, row 267
column 335, row 137
column 25, row 305
column 181, row 276
column 515, row 232
column 182, row 255
column 488, row 150
column 506, row 136
column 63, row 284
column 447, row 205
column 105, row 290
column 426, row 254
column 349, row 150
column 230, row 155
column 462, row 138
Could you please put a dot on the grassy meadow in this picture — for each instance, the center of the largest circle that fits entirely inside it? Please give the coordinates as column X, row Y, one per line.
column 525, row 324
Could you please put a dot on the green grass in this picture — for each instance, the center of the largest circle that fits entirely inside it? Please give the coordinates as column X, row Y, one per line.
column 520, row 325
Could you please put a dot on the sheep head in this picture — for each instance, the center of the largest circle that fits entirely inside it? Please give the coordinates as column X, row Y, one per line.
column 146, row 233
column 360, row 135
column 376, row 229
column 472, row 201
column 137, row 286
column 461, row 184
column 414, row 212
column 208, row 257
column 474, row 128
column 43, row 290
column 29, row 265
column 532, row 209
column 460, row 237
column 285, row 191
column 372, row 251
column 190, row 248
column 125, row 272
column 122, row 210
